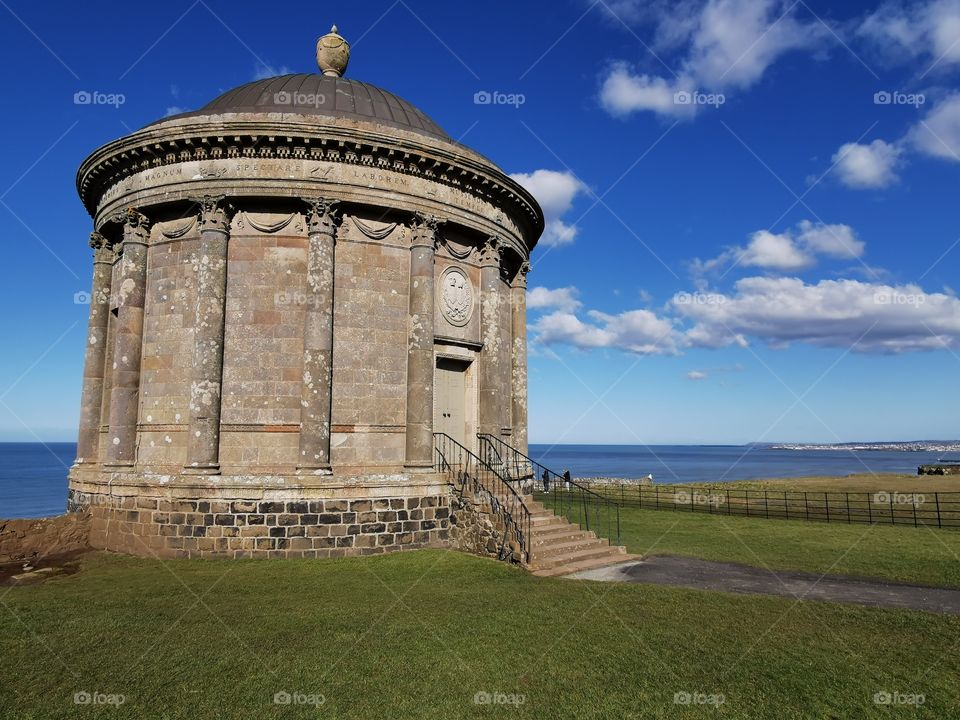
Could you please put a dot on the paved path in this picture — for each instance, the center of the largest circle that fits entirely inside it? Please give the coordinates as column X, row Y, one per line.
column 733, row 577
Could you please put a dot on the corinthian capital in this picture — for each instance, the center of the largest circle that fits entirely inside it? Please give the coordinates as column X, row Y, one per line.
column 215, row 213
column 520, row 279
column 425, row 230
column 491, row 251
column 322, row 216
column 136, row 226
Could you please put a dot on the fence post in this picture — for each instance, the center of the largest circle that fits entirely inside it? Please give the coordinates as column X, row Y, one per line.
column 849, row 520
column 806, row 507
column 766, row 505
column 656, row 497
column 826, row 504
column 936, row 497
column 728, row 502
column 693, row 498
column 786, row 506
column 869, row 509
column 913, row 502
column 892, row 520
column 746, row 496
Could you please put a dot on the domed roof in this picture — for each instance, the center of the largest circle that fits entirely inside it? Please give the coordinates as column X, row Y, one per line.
column 326, row 95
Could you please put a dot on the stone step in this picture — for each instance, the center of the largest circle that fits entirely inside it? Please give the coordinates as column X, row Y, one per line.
column 572, row 557
column 542, row 552
column 561, row 534
column 588, row 564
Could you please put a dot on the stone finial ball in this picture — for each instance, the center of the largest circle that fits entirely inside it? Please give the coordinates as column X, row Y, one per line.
column 333, row 53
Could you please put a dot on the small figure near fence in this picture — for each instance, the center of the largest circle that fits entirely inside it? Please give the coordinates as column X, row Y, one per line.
column 546, row 481
column 566, row 479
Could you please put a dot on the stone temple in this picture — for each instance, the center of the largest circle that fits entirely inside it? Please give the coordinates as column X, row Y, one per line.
column 294, row 288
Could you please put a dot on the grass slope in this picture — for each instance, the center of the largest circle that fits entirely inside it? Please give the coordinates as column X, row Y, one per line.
column 419, row 634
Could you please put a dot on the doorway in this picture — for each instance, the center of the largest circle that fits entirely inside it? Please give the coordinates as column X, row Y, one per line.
column 450, row 399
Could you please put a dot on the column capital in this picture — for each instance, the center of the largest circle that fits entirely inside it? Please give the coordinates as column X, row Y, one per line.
column 215, row 213
column 136, row 226
column 520, row 279
column 103, row 249
column 425, row 231
column 322, row 216
column 492, row 251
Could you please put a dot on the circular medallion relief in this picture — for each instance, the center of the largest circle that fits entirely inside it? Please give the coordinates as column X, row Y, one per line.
column 456, row 296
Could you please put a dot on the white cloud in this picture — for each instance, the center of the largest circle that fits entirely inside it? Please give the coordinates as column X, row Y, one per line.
column 564, row 299
column 939, row 133
column 262, row 72
column 867, row 166
column 696, row 375
column 174, row 110
column 638, row 331
column 729, row 44
column 555, row 191
column 789, row 251
column 901, row 33
column 871, row 317
column 623, row 92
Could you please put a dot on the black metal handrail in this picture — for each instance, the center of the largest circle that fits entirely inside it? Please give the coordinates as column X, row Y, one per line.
column 560, row 493
column 466, row 469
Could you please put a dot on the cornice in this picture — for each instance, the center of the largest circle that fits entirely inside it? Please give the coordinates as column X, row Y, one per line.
column 283, row 138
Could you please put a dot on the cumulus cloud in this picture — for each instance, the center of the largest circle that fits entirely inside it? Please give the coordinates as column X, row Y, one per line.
column 870, row 317
column 867, row 166
column 637, row 331
column 696, row 375
column 564, row 299
column 938, row 134
column 262, row 72
column 727, row 44
column 174, row 110
column 792, row 250
column 900, row 32
column 555, row 191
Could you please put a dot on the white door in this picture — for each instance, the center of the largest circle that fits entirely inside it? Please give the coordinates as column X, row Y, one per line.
column 450, row 399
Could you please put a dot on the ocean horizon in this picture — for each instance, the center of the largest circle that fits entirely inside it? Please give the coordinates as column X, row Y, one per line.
column 33, row 476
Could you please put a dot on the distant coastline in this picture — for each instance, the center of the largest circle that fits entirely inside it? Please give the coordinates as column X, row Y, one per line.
column 939, row 446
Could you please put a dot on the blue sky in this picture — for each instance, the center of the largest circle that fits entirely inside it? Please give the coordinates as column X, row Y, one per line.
column 752, row 204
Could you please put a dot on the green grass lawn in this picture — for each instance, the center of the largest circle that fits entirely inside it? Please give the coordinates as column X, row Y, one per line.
column 419, row 634
column 902, row 553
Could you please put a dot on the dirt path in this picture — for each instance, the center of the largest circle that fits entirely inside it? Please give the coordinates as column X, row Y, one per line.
column 736, row 578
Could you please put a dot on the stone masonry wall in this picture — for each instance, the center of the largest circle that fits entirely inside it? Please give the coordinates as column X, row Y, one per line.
column 264, row 528
column 476, row 528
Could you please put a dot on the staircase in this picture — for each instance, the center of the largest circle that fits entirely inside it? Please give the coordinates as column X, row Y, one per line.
column 552, row 544
column 560, row 547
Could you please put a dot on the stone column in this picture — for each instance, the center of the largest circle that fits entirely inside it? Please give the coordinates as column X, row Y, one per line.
column 518, row 374
column 420, row 362
column 88, row 440
column 130, row 294
column 203, row 447
column 490, row 377
column 316, row 395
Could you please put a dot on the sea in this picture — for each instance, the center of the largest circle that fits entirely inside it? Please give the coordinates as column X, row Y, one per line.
column 33, row 476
